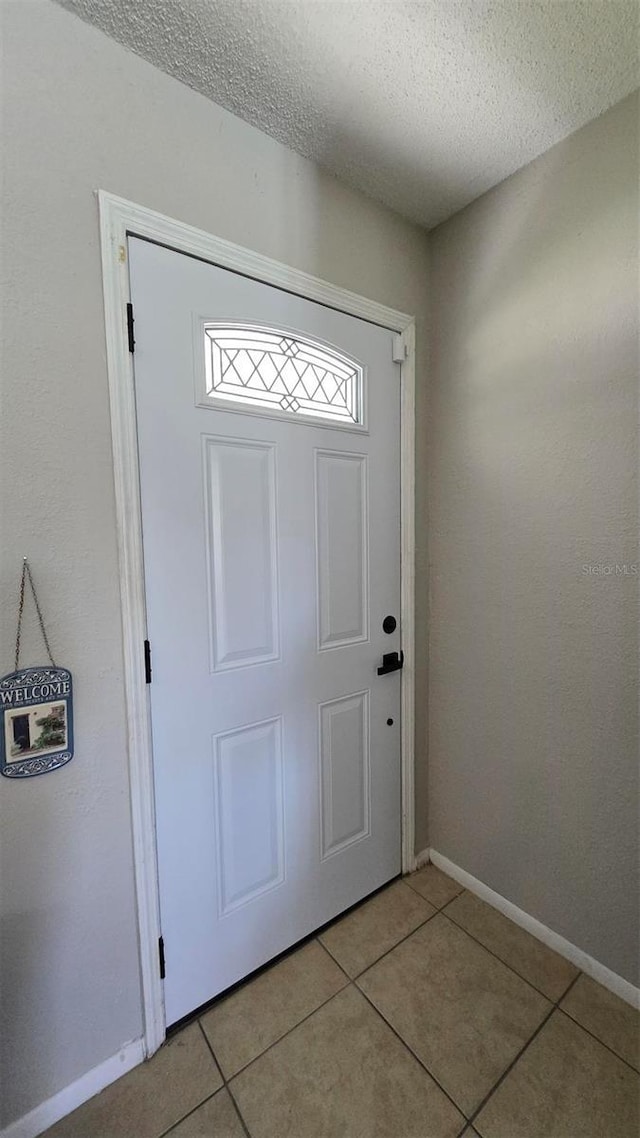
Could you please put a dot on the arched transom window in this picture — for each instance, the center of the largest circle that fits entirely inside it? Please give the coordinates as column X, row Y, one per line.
column 264, row 367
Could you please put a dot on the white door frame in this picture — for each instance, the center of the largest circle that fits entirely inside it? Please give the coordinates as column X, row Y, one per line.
column 118, row 220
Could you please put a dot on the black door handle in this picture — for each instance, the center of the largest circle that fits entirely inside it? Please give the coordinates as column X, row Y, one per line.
column 391, row 662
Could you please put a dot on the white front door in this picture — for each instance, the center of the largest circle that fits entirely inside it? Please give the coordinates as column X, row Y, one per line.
column 268, row 431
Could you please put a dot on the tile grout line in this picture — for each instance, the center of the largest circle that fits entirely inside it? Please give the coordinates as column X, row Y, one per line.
column 211, row 1052
column 208, row 1098
column 467, row 1126
column 349, row 982
column 486, row 948
column 512, row 1064
column 412, row 1053
column 521, row 1052
column 174, row 1125
column 386, row 952
column 558, row 1000
column 425, row 898
column 502, row 961
column 244, row 981
column 577, row 1023
column 461, row 929
column 554, row 1007
column 225, row 1085
column 275, row 1042
column 571, row 985
column 238, row 1112
column 332, row 958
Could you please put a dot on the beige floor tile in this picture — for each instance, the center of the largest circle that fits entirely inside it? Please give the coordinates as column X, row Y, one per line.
column 152, row 1097
column 464, row 1013
column 608, row 1017
column 242, row 1026
column 565, row 1085
column 549, row 973
column 216, row 1118
column 434, row 885
column 343, row 1074
column 373, row 928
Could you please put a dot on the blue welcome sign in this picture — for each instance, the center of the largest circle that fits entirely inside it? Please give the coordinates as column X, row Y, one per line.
column 37, row 721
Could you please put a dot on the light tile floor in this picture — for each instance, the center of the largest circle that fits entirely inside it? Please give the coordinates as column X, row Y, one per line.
column 420, row 1012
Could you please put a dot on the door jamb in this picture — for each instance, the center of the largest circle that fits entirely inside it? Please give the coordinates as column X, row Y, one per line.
column 118, row 220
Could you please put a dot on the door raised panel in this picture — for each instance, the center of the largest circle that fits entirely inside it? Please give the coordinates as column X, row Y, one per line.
column 241, row 552
column 249, row 813
column 344, row 768
column 342, row 548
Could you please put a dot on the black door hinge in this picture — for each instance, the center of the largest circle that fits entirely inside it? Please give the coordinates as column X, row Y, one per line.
column 147, row 662
column 161, row 957
column 132, row 342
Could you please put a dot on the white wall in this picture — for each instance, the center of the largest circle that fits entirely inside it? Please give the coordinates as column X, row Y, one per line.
column 80, row 113
column 533, row 743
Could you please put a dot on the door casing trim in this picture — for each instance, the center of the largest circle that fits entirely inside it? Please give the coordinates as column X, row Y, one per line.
column 119, row 219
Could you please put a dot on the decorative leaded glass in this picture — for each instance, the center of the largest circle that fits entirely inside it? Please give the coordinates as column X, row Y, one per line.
column 273, row 369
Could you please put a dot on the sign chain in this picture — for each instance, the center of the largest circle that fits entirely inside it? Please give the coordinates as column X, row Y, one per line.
column 26, row 575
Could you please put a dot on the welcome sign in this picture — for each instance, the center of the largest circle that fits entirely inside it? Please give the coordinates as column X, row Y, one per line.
column 37, row 721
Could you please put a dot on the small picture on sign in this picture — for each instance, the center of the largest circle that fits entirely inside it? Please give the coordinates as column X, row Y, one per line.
column 36, row 730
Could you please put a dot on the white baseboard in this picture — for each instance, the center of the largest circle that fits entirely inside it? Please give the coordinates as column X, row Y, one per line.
column 66, row 1100
column 616, row 984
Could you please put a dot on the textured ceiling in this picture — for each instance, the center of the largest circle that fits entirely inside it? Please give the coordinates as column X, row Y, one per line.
column 422, row 104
